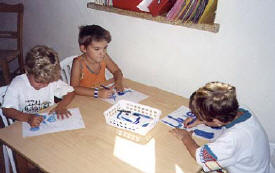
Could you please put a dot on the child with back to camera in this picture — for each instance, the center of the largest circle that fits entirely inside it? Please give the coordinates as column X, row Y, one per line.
column 35, row 90
column 242, row 148
column 89, row 68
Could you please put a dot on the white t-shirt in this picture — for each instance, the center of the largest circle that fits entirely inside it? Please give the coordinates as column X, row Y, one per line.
column 242, row 148
column 22, row 96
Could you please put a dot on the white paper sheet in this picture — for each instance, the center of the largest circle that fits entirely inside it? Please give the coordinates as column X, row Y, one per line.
column 51, row 124
column 129, row 94
column 176, row 119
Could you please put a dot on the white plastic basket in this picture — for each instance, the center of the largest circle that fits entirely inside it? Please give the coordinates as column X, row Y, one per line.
column 132, row 116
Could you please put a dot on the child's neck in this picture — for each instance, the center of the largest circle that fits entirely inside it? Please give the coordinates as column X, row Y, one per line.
column 237, row 116
column 90, row 60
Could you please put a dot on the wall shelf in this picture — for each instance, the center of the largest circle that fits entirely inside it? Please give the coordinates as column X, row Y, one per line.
column 162, row 19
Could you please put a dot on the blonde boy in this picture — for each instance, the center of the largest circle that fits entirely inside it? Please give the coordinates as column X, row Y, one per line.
column 35, row 90
column 242, row 148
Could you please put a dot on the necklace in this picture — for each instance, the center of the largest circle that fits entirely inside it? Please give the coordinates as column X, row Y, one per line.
column 93, row 67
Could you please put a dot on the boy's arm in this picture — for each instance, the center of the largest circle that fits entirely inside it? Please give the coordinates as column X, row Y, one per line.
column 16, row 115
column 115, row 70
column 75, row 80
column 191, row 146
column 61, row 109
column 188, row 141
column 32, row 119
column 67, row 99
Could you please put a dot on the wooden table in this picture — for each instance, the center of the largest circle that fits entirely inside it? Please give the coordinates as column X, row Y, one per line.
column 102, row 148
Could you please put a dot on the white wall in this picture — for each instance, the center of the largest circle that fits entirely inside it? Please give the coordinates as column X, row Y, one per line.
column 174, row 58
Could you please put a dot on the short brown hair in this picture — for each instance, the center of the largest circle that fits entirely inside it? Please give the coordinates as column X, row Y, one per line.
column 43, row 63
column 90, row 33
column 215, row 100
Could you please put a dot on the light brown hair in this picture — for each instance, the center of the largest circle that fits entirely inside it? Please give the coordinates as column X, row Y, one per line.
column 215, row 100
column 43, row 63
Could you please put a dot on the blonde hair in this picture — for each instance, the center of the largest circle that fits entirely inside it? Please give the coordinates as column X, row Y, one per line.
column 215, row 100
column 43, row 63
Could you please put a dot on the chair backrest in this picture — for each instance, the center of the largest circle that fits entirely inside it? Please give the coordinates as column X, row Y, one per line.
column 17, row 9
column 66, row 67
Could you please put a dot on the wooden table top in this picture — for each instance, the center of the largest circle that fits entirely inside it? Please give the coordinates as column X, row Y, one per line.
column 102, row 148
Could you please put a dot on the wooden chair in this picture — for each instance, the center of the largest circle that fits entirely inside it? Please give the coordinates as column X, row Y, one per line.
column 7, row 56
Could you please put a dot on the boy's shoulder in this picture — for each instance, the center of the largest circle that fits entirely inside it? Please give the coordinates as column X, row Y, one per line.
column 20, row 80
column 245, row 127
column 19, row 84
column 77, row 60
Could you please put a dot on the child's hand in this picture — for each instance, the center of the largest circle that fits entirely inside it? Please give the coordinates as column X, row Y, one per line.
column 189, row 124
column 35, row 120
column 118, row 86
column 61, row 112
column 106, row 93
column 182, row 134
